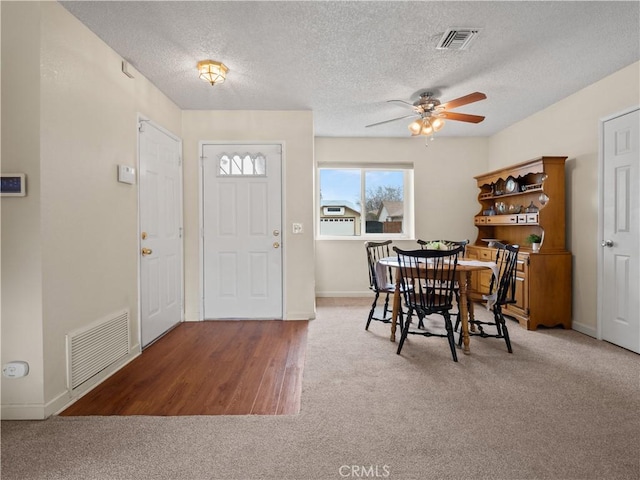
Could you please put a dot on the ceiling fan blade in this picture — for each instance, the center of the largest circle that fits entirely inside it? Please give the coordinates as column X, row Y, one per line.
column 403, row 103
column 392, row 120
column 461, row 117
column 458, row 102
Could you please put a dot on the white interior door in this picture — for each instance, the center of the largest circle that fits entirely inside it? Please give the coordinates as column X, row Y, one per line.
column 161, row 291
column 241, row 234
column 620, row 319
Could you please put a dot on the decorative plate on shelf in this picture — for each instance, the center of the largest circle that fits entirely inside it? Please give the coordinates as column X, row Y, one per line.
column 511, row 186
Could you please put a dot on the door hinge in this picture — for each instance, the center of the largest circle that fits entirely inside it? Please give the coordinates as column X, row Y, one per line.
column 180, row 232
column 179, row 160
column 141, row 125
column 528, row 261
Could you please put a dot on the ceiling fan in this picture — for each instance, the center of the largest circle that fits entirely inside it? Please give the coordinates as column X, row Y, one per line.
column 432, row 113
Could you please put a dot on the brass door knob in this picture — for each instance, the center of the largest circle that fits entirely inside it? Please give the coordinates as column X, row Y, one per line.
column 276, row 245
column 147, row 251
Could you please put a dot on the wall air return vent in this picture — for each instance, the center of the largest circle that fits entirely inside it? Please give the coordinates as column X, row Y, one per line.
column 457, row 38
column 97, row 346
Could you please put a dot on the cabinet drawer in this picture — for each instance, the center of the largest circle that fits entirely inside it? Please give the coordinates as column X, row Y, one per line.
column 480, row 220
column 522, row 218
column 502, row 219
column 485, row 255
column 520, row 263
column 470, row 254
column 532, row 218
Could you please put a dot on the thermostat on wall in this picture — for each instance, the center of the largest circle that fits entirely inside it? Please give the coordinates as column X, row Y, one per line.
column 13, row 184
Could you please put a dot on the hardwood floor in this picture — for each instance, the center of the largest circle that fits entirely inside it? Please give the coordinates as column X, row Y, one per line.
column 209, row 368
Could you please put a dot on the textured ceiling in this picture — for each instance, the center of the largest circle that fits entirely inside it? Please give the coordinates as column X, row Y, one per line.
column 344, row 60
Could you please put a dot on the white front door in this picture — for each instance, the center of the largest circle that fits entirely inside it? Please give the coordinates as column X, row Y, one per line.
column 160, row 233
column 241, row 234
column 620, row 318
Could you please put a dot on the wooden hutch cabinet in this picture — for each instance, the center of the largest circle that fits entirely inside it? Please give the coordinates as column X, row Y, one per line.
column 516, row 201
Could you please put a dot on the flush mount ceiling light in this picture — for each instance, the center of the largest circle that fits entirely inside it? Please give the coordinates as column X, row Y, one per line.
column 212, row 72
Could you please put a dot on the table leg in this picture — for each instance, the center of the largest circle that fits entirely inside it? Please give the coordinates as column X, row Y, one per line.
column 463, row 281
column 395, row 311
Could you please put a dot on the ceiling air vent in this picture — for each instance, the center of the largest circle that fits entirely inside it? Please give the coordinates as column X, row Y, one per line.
column 457, row 38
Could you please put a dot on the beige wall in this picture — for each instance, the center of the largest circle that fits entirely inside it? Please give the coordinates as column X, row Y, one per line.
column 570, row 127
column 22, row 333
column 295, row 131
column 76, row 231
column 69, row 249
column 445, row 199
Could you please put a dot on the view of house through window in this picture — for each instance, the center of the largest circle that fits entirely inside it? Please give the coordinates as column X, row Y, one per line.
column 359, row 201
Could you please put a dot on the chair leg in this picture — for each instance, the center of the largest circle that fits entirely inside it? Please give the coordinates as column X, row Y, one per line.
column 452, row 343
column 460, row 337
column 373, row 309
column 502, row 328
column 455, row 329
column 386, row 307
column 405, row 330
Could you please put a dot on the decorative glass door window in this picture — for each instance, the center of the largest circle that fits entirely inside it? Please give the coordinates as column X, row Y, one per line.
column 242, row 164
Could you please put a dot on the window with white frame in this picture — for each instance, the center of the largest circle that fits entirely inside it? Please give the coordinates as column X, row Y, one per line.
column 372, row 202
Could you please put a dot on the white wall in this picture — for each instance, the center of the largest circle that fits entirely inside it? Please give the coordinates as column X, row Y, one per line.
column 295, row 131
column 570, row 127
column 445, row 199
column 82, row 123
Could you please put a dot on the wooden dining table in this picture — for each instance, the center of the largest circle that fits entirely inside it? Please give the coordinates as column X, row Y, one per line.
column 463, row 274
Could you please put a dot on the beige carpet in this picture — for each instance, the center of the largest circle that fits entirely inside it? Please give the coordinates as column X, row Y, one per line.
column 562, row 406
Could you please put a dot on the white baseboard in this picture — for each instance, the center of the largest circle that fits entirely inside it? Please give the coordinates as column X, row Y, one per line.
column 587, row 330
column 300, row 316
column 23, row 412
column 65, row 398
column 365, row 293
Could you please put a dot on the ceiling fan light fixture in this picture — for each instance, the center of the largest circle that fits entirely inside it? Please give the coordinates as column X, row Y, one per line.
column 212, row 71
column 437, row 124
column 426, row 126
column 427, row 129
column 415, row 127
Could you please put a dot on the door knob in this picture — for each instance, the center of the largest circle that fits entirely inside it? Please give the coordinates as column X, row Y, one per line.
column 276, row 233
column 276, row 245
column 146, row 251
column 607, row 243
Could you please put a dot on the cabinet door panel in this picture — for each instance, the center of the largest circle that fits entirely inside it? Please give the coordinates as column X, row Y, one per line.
column 521, row 297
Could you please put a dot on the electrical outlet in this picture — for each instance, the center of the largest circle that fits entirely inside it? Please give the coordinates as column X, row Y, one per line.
column 297, row 228
column 15, row 369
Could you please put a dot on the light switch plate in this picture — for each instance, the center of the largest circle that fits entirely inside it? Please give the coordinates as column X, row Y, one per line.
column 297, row 228
column 126, row 174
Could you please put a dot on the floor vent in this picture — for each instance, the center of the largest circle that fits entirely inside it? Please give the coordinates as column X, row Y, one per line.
column 457, row 38
column 93, row 348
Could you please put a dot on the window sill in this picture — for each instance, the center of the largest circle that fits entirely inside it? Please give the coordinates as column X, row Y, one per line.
column 365, row 238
